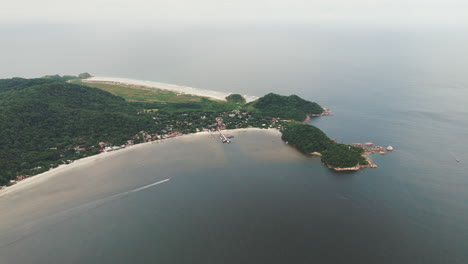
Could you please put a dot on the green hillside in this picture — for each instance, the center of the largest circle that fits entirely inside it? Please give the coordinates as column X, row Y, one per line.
column 286, row 107
column 310, row 139
column 42, row 120
column 47, row 122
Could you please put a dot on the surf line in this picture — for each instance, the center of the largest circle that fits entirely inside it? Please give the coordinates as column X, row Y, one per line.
column 35, row 226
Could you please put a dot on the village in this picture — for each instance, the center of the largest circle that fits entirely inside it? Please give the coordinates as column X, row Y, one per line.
column 166, row 125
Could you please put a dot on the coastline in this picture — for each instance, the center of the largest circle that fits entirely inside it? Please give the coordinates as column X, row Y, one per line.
column 48, row 175
column 327, row 112
column 166, row 86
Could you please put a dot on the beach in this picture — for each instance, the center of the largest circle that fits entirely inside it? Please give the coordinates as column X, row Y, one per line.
column 50, row 175
column 165, row 86
column 243, row 202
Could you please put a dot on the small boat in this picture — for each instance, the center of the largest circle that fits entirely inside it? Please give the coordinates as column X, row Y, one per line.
column 455, row 157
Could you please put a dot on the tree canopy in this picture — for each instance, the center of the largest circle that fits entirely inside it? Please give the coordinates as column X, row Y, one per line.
column 286, row 107
column 37, row 115
column 308, row 139
column 84, row 75
column 48, row 121
column 235, row 98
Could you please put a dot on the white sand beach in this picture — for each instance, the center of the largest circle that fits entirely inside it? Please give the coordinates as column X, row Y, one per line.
column 62, row 169
column 165, row 86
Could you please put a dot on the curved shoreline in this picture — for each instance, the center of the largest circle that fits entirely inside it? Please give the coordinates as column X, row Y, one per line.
column 48, row 175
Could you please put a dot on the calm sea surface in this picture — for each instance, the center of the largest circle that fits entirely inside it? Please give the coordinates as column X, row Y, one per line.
column 257, row 200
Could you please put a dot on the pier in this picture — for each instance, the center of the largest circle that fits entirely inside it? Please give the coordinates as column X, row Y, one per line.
column 223, row 137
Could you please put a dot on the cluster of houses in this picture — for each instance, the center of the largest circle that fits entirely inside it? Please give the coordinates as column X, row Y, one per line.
column 18, row 178
column 234, row 117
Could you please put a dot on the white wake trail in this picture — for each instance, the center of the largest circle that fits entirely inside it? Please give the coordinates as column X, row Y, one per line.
column 35, row 226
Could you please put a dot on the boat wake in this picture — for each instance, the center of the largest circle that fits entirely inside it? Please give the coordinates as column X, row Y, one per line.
column 29, row 229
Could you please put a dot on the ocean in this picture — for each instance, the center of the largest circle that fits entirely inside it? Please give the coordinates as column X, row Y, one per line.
column 257, row 200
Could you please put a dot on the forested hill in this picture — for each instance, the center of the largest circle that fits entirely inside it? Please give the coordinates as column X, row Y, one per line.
column 47, row 122
column 286, row 107
column 309, row 139
column 40, row 120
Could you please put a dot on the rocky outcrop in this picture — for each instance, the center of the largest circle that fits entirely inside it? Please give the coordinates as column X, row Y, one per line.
column 355, row 168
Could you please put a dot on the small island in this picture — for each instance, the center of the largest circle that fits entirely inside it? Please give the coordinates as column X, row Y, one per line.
column 55, row 120
column 312, row 141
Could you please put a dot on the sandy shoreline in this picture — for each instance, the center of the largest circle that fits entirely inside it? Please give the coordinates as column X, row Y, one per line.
column 166, row 86
column 48, row 175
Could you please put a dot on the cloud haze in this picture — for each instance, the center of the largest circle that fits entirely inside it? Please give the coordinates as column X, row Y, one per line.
column 372, row 11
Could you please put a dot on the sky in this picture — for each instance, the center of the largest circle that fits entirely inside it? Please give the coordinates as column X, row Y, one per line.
column 429, row 12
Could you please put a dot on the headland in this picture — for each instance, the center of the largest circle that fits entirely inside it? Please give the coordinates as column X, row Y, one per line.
column 65, row 121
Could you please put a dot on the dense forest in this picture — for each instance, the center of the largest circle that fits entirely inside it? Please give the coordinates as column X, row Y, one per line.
column 286, row 107
column 310, row 139
column 41, row 120
column 235, row 98
column 48, row 121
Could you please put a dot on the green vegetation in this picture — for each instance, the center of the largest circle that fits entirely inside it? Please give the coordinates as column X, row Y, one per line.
column 60, row 78
column 54, row 120
column 47, row 122
column 344, row 156
column 286, row 107
column 235, row 98
column 134, row 93
column 306, row 138
column 204, row 105
column 66, row 78
column 43, row 121
column 84, row 75
column 310, row 139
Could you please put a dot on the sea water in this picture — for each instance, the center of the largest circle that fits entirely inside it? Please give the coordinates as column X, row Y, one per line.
column 258, row 200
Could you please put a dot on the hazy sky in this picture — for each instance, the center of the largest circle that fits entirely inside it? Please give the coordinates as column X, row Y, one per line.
column 342, row 11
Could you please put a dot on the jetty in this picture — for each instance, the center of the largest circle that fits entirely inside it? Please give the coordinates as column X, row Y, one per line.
column 223, row 137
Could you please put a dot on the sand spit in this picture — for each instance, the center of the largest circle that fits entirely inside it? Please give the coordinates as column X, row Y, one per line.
column 165, row 86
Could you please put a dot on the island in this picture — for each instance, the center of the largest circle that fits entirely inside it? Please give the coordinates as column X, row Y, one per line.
column 312, row 141
column 54, row 120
